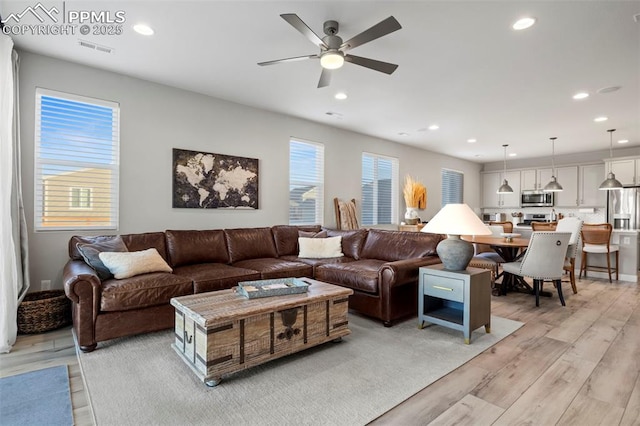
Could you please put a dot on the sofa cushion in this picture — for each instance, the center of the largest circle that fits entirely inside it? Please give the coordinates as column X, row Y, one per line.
column 191, row 247
column 250, row 243
column 286, row 237
column 396, row 245
column 129, row 264
column 143, row 291
column 358, row 275
column 352, row 241
column 215, row 276
column 134, row 242
column 276, row 268
column 312, row 234
column 90, row 253
column 320, row 248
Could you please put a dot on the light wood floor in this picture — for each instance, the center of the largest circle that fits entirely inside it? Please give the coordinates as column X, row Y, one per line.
column 578, row 364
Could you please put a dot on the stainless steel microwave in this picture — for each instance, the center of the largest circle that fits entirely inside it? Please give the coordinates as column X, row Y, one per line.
column 536, row 199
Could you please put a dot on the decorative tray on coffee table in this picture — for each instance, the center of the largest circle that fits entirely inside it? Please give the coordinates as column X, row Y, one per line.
column 273, row 287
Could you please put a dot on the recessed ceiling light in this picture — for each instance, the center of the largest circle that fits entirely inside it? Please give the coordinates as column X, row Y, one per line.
column 341, row 96
column 143, row 29
column 524, row 23
column 513, row 154
column 581, row 95
column 434, row 127
column 623, row 141
column 471, row 140
column 600, row 119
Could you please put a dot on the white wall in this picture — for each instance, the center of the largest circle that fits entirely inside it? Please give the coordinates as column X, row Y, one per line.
column 157, row 118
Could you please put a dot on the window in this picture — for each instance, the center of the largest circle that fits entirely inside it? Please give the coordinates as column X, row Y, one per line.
column 452, row 187
column 306, row 183
column 76, row 162
column 379, row 189
column 80, row 198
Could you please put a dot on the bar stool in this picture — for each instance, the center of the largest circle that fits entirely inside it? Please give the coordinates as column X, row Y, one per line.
column 596, row 240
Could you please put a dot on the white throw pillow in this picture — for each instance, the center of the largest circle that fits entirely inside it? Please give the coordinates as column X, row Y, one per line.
column 129, row 264
column 319, row 248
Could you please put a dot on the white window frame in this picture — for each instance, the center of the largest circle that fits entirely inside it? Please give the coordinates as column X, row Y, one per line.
column 318, row 181
column 81, row 190
column 445, row 191
column 112, row 165
column 395, row 166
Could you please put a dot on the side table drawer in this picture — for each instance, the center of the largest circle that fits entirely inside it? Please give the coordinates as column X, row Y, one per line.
column 444, row 288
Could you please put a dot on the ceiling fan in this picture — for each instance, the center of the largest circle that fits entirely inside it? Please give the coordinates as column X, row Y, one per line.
column 332, row 49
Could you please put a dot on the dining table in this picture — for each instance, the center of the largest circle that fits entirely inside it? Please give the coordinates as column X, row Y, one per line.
column 511, row 249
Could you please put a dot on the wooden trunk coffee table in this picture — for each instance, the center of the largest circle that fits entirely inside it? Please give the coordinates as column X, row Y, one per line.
column 222, row 332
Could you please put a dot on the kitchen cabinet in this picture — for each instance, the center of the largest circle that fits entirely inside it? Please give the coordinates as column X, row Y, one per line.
column 535, row 179
column 568, row 178
column 491, row 181
column 591, row 176
column 624, row 169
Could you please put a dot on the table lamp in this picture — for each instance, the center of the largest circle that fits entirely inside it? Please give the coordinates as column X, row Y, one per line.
column 455, row 220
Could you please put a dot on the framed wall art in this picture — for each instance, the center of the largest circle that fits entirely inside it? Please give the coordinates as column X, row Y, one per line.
column 203, row 180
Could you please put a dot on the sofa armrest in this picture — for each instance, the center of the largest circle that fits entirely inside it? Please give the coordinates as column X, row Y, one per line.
column 402, row 271
column 77, row 275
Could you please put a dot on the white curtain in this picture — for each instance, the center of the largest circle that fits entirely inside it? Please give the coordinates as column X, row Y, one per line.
column 14, row 276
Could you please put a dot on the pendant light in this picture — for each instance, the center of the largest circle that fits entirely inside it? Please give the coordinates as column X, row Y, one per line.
column 553, row 185
column 505, row 188
column 610, row 182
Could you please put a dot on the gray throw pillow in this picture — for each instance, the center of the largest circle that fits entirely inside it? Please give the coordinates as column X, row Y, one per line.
column 91, row 254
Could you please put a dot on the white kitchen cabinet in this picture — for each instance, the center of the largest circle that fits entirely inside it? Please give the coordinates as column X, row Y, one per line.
column 568, row 178
column 534, row 179
column 491, row 181
column 624, row 169
column 591, row 176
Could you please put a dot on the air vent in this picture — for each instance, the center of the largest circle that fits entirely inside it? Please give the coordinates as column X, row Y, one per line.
column 94, row 46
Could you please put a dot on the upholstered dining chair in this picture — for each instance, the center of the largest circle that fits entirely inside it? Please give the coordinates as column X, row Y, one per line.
column 596, row 240
column 573, row 225
column 506, row 226
column 543, row 226
column 485, row 251
column 543, row 261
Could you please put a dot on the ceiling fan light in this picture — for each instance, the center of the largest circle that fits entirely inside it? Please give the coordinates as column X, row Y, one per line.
column 331, row 60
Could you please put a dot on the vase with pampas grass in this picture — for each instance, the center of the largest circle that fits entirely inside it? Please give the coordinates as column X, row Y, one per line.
column 415, row 197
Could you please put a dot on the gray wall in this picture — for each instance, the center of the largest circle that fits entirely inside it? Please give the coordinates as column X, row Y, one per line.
column 157, row 118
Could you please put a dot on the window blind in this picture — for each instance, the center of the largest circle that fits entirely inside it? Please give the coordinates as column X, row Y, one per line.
column 452, row 187
column 379, row 189
column 77, row 143
column 306, row 183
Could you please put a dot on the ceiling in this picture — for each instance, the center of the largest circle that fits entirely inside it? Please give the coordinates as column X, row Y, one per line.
column 461, row 66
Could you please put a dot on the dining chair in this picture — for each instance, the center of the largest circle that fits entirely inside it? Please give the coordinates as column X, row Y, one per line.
column 543, row 226
column 506, row 226
column 543, row 261
column 573, row 225
column 596, row 239
column 485, row 251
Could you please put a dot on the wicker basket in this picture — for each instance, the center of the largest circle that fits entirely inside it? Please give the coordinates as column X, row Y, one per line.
column 43, row 311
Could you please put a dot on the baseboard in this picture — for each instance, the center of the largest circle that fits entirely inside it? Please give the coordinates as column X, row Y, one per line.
column 605, row 275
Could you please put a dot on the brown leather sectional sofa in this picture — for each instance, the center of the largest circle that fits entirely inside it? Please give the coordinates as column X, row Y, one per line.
column 380, row 266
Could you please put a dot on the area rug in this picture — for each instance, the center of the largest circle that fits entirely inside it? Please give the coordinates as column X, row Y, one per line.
column 39, row 397
column 141, row 380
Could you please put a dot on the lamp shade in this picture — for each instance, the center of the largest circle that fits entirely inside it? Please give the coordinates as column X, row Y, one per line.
column 455, row 220
column 331, row 60
column 610, row 183
column 553, row 185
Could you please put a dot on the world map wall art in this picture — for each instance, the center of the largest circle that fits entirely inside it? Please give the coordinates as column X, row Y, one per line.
column 202, row 180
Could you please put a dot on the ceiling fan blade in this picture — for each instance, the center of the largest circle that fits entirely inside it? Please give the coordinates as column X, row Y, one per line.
column 380, row 29
column 384, row 67
column 297, row 58
column 325, row 78
column 299, row 25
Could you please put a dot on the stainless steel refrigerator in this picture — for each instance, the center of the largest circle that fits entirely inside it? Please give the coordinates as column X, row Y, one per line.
column 623, row 208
